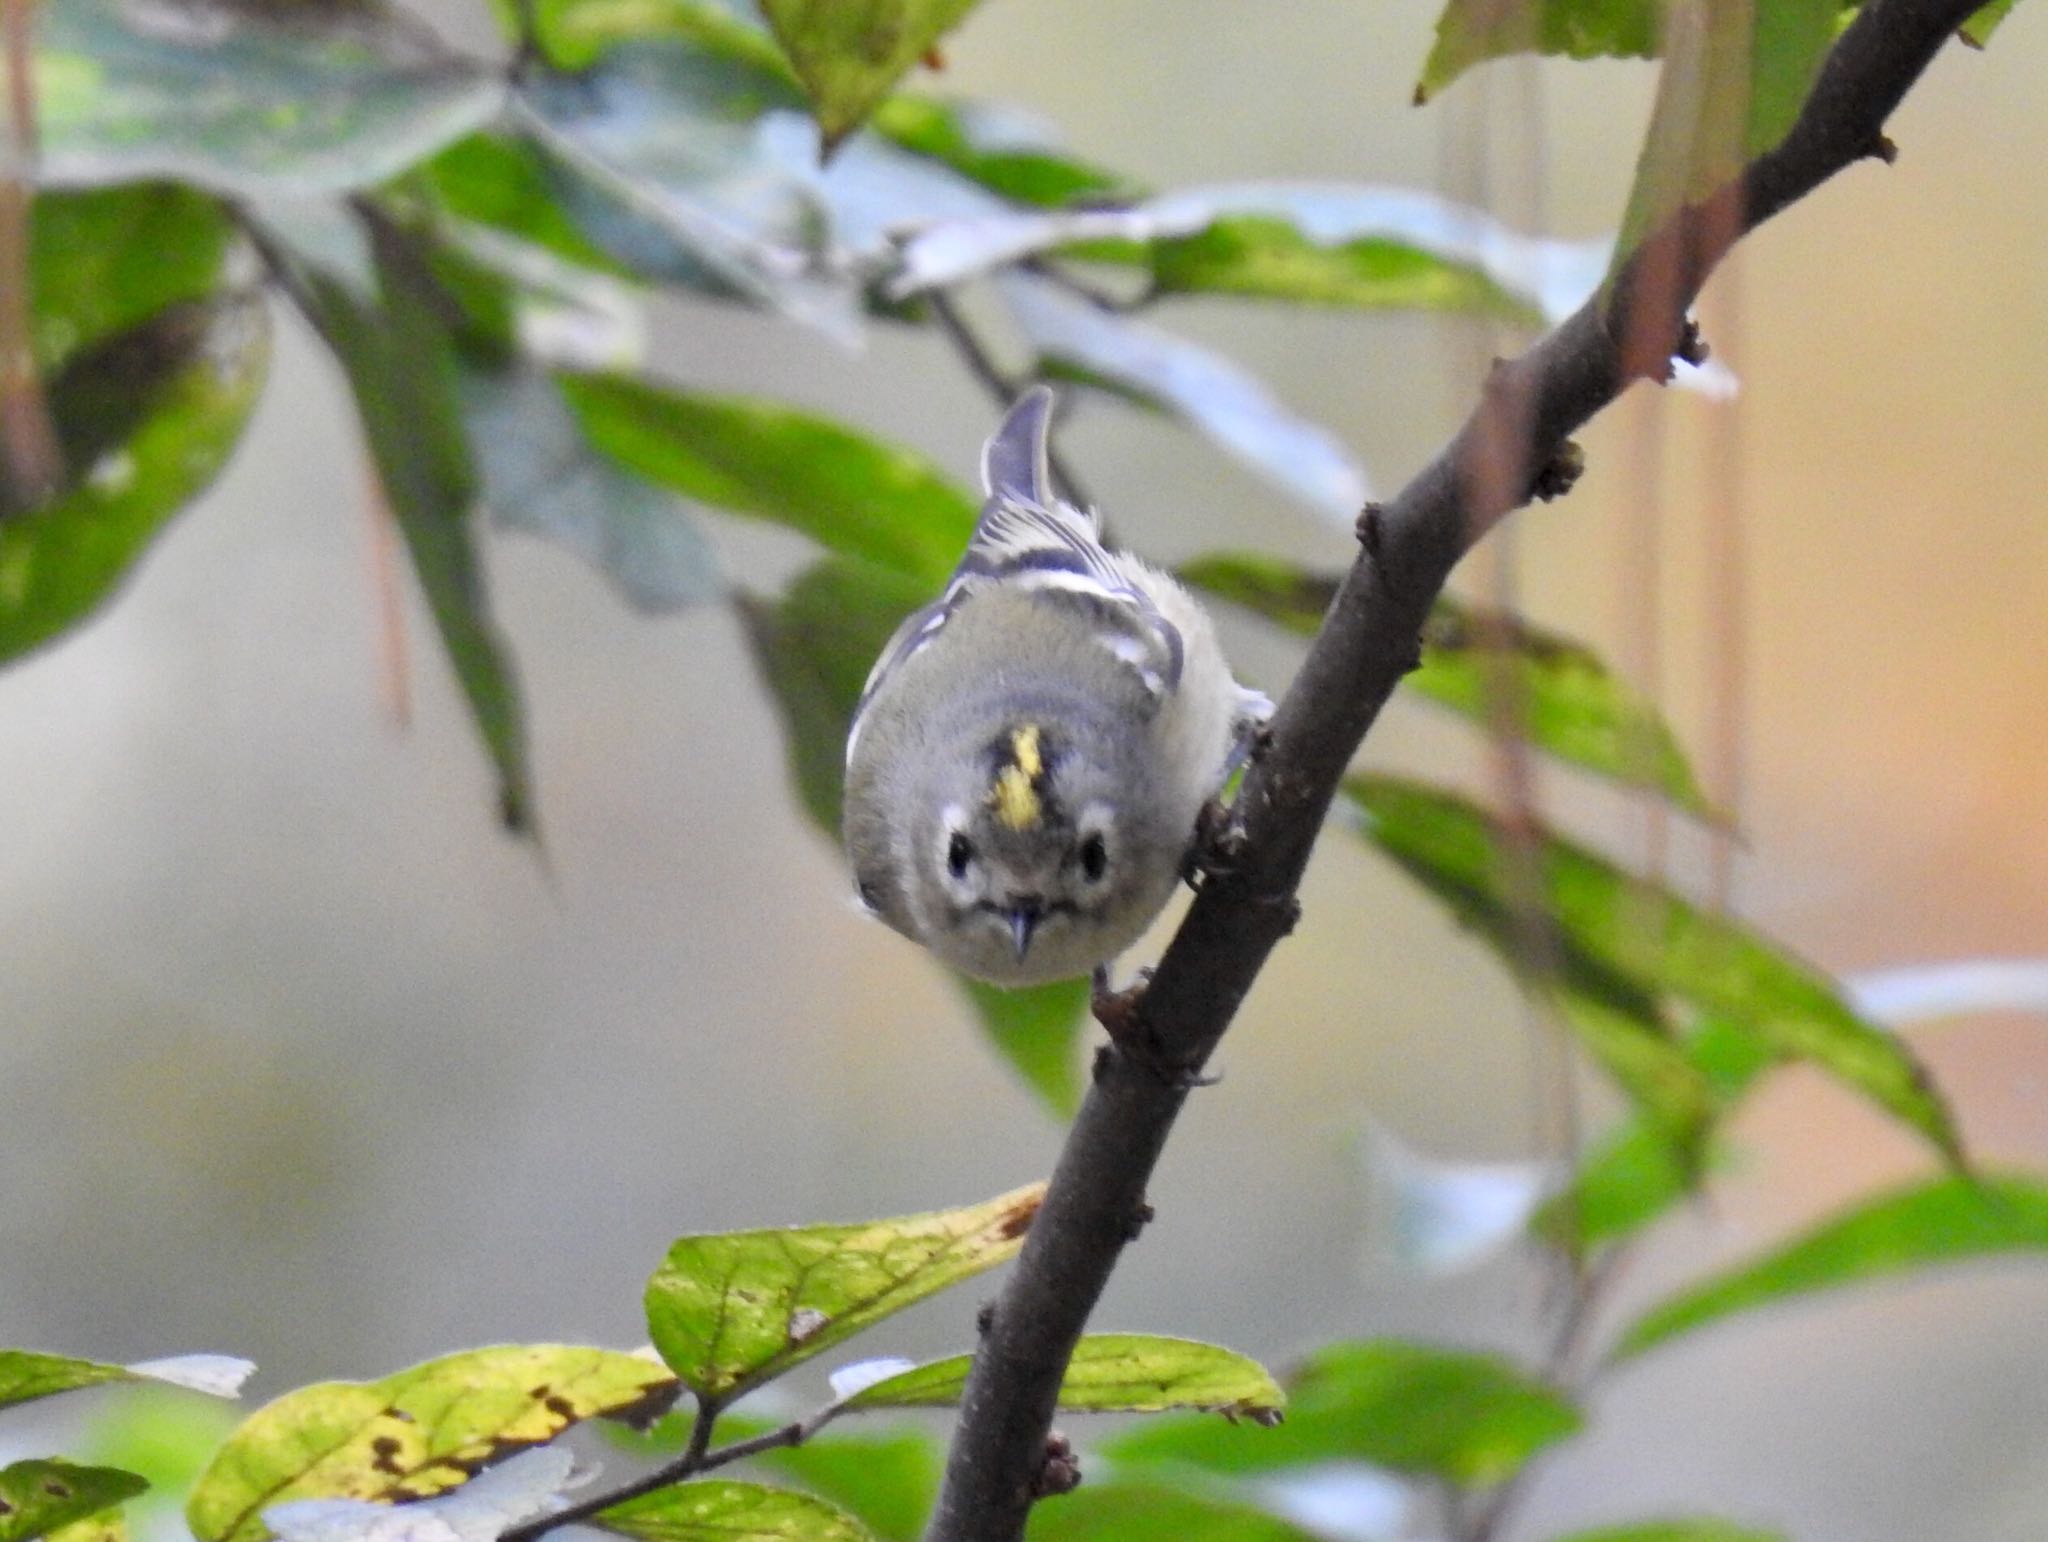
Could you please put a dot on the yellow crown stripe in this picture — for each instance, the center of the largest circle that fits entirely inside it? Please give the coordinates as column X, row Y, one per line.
column 1014, row 796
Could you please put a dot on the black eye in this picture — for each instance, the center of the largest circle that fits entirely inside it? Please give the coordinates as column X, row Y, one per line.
column 959, row 852
column 1094, row 858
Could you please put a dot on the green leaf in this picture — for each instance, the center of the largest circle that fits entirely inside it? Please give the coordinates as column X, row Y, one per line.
column 1113, row 1373
column 416, row 1433
column 1982, row 23
column 1038, row 1030
column 401, row 368
column 1643, row 935
column 1946, row 1221
column 26, row 1374
column 1572, row 705
column 575, row 33
column 1692, row 1530
column 1341, row 244
column 146, row 419
column 106, row 1526
column 1134, row 1511
column 1269, row 257
column 1735, row 77
column 849, row 53
column 851, row 494
column 505, row 184
column 1621, row 1029
column 1470, row 1419
column 541, row 476
column 328, row 99
column 38, row 1497
column 1631, row 1177
column 106, row 260
column 958, row 134
column 890, row 1479
column 720, row 1511
column 815, row 647
column 1470, row 32
column 732, row 1310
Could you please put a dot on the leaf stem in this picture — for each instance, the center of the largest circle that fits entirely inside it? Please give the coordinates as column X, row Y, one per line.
column 31, row 463
column 1001, row 387
column 697, row 1457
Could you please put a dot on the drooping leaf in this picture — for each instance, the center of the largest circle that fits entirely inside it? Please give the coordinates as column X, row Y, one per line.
column 1038, row 1030
column 1622, row 1030
column 1640, row 933
column 1134, row 1510
column 715, row 1510
column 246, row 101
column 401, row 368
column 1571, row 705
column 1735, row 77
column 851, row 494
column 1072, row 335
column 1696, row 1529
column 814, row 648
column 1470, row 1419
column 732, row 1310
column 541, row 476
column 1469, row 32
column 673, row 161
column 104, row 260
column 38, row 1497
column 1112, row 1373
column 849, row 53
column 995, row 148
column 416, row 1433
column 889, row 1479
column 26, row 1374
column 146, row 418
column 520, row 1489
column 1949, row 1220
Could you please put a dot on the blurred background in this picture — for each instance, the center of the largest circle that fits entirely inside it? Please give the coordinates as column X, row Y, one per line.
column 302, row 1060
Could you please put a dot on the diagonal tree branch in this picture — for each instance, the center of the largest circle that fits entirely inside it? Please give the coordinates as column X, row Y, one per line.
column 1367, row 643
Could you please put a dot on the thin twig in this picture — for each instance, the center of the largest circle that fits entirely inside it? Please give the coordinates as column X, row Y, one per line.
column 697, row 1457
column 993, row 379
column 1365, row 646
column 30, row 459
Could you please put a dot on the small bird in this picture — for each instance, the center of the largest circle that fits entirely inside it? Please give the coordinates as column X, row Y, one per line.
column 1033, row 750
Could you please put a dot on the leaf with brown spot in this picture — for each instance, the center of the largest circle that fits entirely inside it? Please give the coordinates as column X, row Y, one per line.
column 38, row 1497
column 416, row 1433
column 735, row 1309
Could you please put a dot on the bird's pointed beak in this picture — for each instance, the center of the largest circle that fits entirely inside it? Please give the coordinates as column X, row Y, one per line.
column 1024, row 919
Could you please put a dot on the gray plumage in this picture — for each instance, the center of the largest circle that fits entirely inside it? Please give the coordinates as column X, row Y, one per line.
column 1032, row 748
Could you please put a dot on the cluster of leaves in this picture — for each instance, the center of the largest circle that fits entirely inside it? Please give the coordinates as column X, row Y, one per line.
column 468, row 1447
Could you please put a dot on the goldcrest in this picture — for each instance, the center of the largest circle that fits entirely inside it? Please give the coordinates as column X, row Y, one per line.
column 1033, row 749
